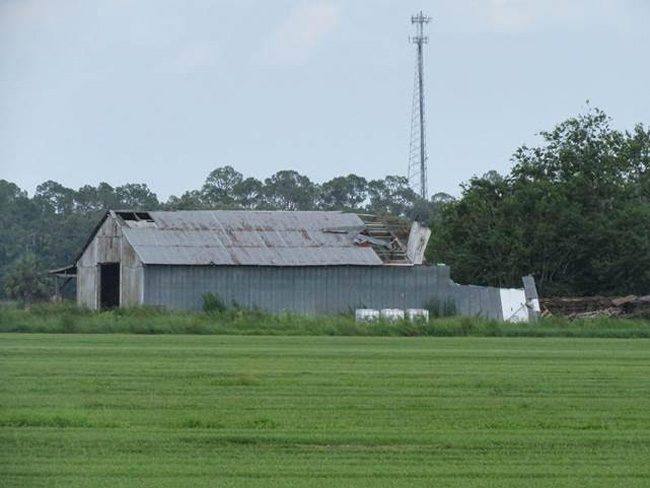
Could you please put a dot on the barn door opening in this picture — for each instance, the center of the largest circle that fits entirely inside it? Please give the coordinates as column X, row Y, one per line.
column 109, row 285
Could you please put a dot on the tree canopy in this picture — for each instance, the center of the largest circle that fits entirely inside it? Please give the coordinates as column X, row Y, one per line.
column 574, row 211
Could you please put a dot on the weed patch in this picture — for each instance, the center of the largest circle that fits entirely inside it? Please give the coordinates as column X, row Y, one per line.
column 218, row 320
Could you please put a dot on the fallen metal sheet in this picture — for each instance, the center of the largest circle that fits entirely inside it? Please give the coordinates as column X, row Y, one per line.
column 417, row 242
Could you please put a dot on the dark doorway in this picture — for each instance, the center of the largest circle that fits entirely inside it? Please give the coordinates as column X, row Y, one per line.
column 109, row 285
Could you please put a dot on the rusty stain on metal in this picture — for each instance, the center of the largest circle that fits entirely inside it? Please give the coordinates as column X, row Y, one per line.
column 244, row 237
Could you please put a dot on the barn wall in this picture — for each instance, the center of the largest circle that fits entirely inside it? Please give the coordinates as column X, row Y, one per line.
column 131, row 279
column 104, row 248
column 108, row 246
column 315, row 290
column 87, row 290
column 477, row 301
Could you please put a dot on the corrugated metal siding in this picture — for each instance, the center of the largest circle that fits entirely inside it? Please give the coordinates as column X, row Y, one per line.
column 478, row 301
column 254, row 238
column 314, row 290
column 189, row 252
column 104, row 248
column 269, row 220
column 87, row 291
column 131, row 277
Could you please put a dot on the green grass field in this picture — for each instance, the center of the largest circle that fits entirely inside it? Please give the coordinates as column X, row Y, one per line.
column 197, row 411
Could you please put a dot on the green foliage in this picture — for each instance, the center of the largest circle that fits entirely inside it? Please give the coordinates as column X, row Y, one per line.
column 25, row 280
column 212, row 303
column 344, row 193
column 55, row 223
column 219, row 187
column 289, row 190
column 574, row 212
column 392, row 196
column 221, row 320
column 163, row 412
column 441, row 308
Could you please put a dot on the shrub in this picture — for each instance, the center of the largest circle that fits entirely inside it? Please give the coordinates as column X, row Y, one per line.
column 25, row 282
column 212, row 303
column 441, row 308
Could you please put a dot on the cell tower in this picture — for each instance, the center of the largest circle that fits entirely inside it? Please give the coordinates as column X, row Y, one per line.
column 417, row 171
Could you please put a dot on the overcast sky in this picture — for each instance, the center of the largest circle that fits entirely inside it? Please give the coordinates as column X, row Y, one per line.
column 163, row 91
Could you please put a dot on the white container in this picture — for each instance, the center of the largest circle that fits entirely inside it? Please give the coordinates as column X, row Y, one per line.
column 416, row 314
column 393, row 314
column 366, row 314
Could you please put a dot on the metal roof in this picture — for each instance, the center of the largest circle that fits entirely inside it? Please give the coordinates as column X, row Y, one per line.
column 247, row 237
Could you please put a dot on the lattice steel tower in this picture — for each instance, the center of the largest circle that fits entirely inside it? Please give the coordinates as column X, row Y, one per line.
column 417, row 171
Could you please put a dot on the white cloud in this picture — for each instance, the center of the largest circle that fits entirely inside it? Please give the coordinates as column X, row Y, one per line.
column 304, row 28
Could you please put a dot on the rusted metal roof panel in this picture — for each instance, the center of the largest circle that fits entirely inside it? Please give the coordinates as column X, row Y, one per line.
column 260, row 238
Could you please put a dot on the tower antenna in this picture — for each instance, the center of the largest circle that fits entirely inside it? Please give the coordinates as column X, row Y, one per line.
column 417, row 170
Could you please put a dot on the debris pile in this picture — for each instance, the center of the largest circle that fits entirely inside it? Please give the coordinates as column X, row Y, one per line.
column 388, row 236
column 630, row 306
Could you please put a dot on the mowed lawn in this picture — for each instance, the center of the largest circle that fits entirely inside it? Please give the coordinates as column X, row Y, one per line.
column 220, row 411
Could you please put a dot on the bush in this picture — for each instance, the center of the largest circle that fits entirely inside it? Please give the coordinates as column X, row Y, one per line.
column 441, row 308
column 25, row 282
column 212, row 303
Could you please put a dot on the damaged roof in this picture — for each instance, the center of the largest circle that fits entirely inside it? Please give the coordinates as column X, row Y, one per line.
column 246, row 237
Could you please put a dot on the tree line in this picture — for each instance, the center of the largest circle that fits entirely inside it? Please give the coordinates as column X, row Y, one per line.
column 574, row 211
column 48, row 229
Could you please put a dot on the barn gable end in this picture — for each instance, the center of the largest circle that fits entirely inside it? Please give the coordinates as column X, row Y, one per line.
column 108, row 252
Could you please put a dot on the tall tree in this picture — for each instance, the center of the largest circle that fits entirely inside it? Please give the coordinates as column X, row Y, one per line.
column 343, row 193
column 190, row 200
column 59, row 198
column 97, row 199
column 219, row 187
column 289, row 190
column 136, row 196
column 249, row 193
column 392, row 195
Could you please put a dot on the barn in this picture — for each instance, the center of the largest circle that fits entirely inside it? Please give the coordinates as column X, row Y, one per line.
column 308, row 262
